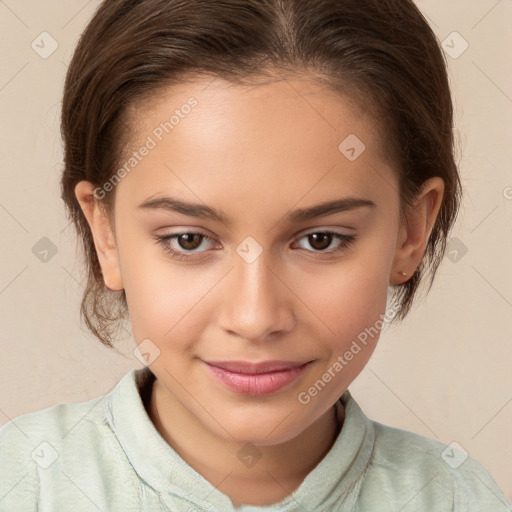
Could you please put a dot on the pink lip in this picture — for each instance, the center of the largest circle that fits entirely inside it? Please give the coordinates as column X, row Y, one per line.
column 256, row 378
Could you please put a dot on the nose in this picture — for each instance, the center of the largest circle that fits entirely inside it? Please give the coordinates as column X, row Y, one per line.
column 256, row 303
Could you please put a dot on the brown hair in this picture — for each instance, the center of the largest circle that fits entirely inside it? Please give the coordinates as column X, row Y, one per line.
column 381, row 51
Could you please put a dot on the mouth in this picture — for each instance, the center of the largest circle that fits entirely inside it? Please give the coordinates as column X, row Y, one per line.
column 256, row 368
column 256, row 379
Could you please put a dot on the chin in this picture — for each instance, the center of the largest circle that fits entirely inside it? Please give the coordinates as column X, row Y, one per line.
column 271, row 429
column 260, row 439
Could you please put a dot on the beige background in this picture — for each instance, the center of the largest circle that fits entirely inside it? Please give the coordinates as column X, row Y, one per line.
column 445, row 373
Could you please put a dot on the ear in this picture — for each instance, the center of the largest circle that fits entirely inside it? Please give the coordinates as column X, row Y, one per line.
column 103, row 235
column 414, row 234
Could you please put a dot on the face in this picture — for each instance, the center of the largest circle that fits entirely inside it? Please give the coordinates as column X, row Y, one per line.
column 246, row 267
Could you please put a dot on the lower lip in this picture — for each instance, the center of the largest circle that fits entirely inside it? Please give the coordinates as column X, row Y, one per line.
column 256, row 384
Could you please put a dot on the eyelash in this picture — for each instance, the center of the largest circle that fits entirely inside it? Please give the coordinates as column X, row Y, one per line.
column 164, row 241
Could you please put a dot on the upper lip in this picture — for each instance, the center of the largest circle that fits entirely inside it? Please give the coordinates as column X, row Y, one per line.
column 255, row 368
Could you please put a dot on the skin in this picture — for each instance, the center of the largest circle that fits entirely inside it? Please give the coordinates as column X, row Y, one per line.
column 256, row 154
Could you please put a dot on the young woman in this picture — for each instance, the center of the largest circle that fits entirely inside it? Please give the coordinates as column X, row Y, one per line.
column 248, row 179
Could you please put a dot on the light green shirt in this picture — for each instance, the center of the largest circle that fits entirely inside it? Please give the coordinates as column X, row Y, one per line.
column 106, row 455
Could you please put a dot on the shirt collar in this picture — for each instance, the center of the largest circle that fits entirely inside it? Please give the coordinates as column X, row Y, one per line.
column 170, row 476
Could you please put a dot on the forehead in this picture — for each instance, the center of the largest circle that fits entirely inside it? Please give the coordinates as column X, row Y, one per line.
column 291, row 135
column 303, row 103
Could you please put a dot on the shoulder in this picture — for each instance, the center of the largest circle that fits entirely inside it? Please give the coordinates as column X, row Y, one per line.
column 35, row 444
column 55, row 422
column 429, row 472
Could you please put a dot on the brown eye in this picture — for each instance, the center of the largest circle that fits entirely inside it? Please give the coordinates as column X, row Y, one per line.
column 190, row 241
column 327, row 242
column 320, row 241
column 184, row 246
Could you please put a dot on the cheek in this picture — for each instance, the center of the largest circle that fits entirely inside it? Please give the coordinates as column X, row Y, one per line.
column 348, row 297
column 350, row 302
column 161, row 296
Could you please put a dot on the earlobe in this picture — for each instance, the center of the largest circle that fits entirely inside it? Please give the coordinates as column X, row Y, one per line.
column 104, row 239
column 415, row 233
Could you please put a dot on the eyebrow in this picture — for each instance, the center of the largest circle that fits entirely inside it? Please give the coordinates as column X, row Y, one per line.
column 201, row 211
